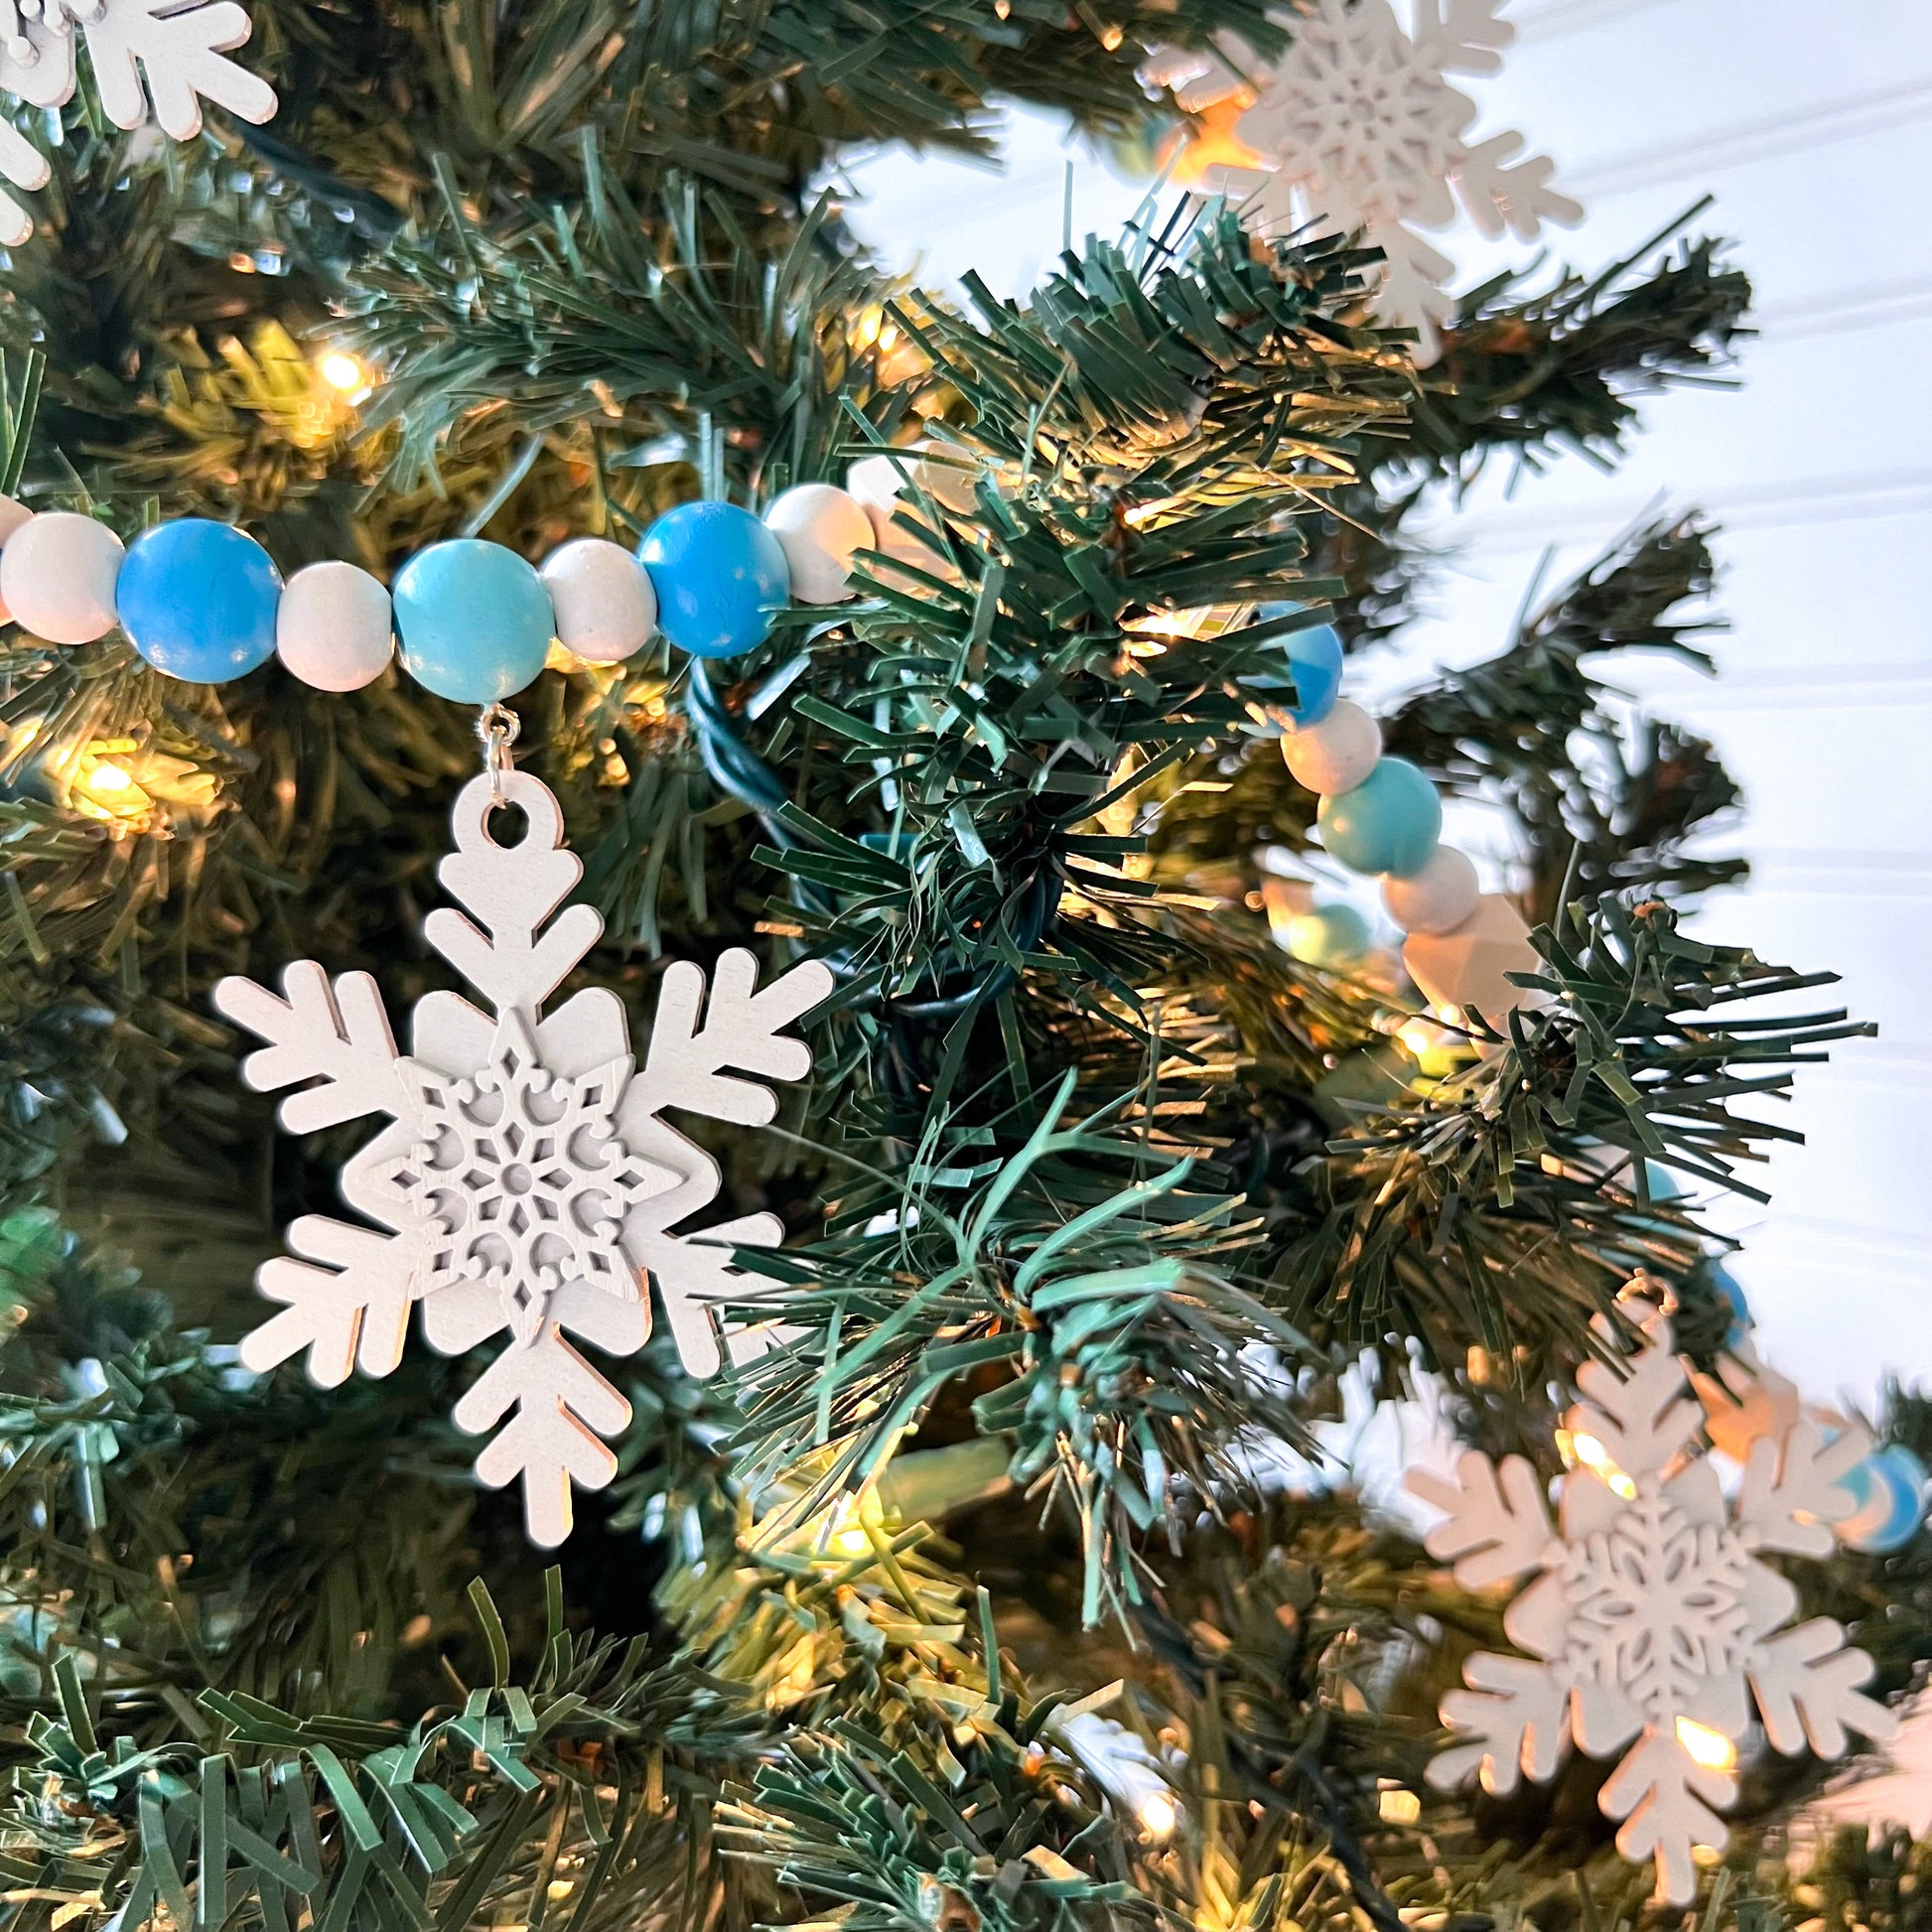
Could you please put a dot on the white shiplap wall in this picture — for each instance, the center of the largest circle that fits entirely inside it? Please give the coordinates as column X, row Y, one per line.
column 1812, row 128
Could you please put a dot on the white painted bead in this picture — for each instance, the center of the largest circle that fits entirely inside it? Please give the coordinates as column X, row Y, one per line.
column 944, row 472
column 819, row 526
column 56, row 575
column 1467, row 967
column 605, row 604
column 1338, row 754
column 891, row 536
column 12, row 517
column 332, row 626
column 1436, row 900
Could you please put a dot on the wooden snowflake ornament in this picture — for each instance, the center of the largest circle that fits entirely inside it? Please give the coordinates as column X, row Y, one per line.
column 180, row 50
column 527, row 1184
column 1360, row 124
column 1652, row 1624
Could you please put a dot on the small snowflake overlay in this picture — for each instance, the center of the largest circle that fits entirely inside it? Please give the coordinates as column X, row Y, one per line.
column 1360, row 126
column 527, row 1184
column 1653, row 1624
column 181, row 49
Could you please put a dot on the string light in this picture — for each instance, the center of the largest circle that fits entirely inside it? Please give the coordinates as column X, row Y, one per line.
column 1707, row 1748
column 1398, row 1807
column 1593, row 1455
column 1159, row 1815
column 341, row 370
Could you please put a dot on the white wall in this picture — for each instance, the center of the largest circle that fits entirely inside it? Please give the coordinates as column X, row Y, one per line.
column 1812, row 128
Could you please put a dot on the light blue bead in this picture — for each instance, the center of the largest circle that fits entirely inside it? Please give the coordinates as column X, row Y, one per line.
column 1889, row 1488
column 198, row 600
column 1328, row 937
column 1315, row 661
column 1387, row 823
column 720, row 575
column 472, row 619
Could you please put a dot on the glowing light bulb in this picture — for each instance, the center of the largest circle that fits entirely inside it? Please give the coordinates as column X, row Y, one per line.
column 1710, row 1748
column 341, row 370
column 1592, row 1454
column 109, row 778
column 1398, row 1807
column 1159, row 1815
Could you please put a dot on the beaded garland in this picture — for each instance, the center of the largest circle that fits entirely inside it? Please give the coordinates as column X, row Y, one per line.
column 203, row 601
column 471, row 620
column 1380, row 816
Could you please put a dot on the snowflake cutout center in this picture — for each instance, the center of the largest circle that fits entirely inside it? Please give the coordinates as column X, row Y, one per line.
column 1657, row 1604
column 525, row 1179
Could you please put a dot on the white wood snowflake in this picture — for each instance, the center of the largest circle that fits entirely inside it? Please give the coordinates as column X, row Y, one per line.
column 181, row 49
column 528, row 1183
column 1359, row 125
column 1653, row 1624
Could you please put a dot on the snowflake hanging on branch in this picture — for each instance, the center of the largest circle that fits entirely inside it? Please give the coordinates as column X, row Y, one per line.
column 181, row 49
column 1359, row 126
column 529, row 1182
column 1653, row 1624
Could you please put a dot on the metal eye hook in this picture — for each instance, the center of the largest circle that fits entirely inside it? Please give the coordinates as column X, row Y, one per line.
column 496, row 727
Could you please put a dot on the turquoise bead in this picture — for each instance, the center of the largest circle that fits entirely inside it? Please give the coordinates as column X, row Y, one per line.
column 720, row 575
column 472, row 619
column 198, row 600
column 1389, row 823
column 1726, row 1285
column 1329, row 936
column 1890, row 1492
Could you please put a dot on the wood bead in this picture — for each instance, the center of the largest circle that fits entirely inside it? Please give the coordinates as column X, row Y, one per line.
column 1337, row 753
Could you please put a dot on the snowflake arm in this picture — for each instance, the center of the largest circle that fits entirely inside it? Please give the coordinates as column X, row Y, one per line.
column 1806, row 1684
column 335, row 1034
column 1517, row 1718
column 183, row 52
column 1792, row 1489
column 1462, row 36
column 25, row 165
column 1496, row 1524
column 743, row 1028
column 351, row 1312
column 563, row 1408
column 507, row 954
column 1517, row 197
column 1665, row 1798
column 1643, row 1418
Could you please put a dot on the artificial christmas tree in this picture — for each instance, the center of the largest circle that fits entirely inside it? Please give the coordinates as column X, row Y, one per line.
column 957, row 1557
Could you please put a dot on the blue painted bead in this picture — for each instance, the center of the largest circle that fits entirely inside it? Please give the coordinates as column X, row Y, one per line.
column 1314, row 662
column 198, row 600
column 472, row 619
column 1387, row 823
column 1315, row 656
column 720, row 575
column 1889, row 1488
column 1330, row 937
column 1725, row 1282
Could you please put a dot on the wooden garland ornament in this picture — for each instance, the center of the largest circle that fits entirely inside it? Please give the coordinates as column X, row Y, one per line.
column 1653, row 1624
column 528, row 1185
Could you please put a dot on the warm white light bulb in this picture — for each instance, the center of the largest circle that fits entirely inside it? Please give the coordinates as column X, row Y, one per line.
column 1159, row 1815
column 1710, row 1748
column 341, row 370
